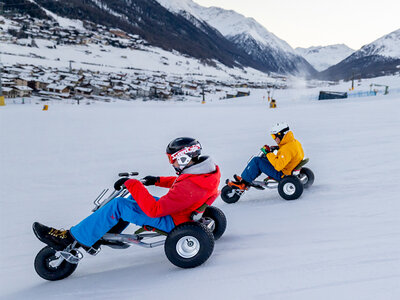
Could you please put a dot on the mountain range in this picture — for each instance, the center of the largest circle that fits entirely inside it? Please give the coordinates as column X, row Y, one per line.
column 247, row 34
column 378, row 58
column 323, row 57
column 213, row 34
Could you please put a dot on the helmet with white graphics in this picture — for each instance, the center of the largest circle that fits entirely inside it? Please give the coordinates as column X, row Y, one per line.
column 183, row 150
column 279, row 130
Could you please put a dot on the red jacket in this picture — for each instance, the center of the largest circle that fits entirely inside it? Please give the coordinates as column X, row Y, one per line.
column 187, row 192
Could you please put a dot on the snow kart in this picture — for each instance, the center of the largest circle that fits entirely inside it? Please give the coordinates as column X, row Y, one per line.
column 289, row 188
column 188, row 245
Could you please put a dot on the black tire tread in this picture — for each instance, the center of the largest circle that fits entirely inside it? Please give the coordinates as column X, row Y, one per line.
column 310, row 175
column 224, row 195
column 219, row 218
column 63, row 271
column 189, row 228
column 296, row 181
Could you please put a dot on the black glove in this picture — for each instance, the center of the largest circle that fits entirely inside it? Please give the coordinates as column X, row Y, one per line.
column 150, row 180
column 273, row 148
column 120, row 182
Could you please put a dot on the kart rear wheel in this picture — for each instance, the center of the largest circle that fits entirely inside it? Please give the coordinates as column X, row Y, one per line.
column 229, row 194
column 290, row 188
column 308, row 176
column 189, row 245
column 52, row 268
column 219, row 218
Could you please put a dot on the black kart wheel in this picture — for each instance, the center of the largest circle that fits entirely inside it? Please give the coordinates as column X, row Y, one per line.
column 307, row 177
column 229, row 194
column 189, row 245
column 290, row 188
column 219, row 218
column 50, row 268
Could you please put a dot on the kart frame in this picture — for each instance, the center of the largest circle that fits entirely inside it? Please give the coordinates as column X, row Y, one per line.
column 120, row 240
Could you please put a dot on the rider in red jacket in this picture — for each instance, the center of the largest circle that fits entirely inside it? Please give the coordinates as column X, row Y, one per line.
column 187, row 192
column 197, row 183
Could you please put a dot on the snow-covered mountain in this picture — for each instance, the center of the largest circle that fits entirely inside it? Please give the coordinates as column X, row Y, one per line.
column 248, row 35
column 148, row 19
column 377, row 58
column 386, row 46
column 322, row 57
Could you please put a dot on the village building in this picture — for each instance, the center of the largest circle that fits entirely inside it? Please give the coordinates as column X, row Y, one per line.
column 43, row 83
column 231, row 94
column 5, row 82
column 190, row 86
column 83, row 91
column 56, row 90
column 21, row 81
column 23, row 91
column 9, row 92
column 243, row 92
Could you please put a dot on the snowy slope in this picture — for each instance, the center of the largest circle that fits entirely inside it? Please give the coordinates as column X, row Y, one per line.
column 247, row 33
column 106, row 58
column 152, row 22
column 322, row 57
column 340, row 240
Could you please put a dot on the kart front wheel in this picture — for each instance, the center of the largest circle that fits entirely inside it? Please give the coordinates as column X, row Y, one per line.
column 189, row 245
column 306, row 177
column 290, row 188
column 230, row 194
column 219, row 219
column 51, row 267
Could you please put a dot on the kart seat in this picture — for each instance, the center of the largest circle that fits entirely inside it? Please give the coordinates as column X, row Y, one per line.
column 198, row 213
column 195, row 216
column 301, row 164
column 147, row 228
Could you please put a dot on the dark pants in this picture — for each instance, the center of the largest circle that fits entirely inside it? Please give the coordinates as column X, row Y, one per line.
column 257, row 166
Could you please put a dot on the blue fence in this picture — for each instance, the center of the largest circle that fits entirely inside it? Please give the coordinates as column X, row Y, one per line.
column 361, row 94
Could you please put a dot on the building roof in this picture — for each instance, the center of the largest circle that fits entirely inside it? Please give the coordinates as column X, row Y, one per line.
column 85, row 90
column 22, row 88
column 55, row 86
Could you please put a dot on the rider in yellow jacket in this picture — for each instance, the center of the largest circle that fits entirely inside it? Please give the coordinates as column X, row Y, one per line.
column 289, row 154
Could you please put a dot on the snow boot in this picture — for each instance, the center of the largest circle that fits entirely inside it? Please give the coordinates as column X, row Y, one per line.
column 56, row 239
column 239, row 182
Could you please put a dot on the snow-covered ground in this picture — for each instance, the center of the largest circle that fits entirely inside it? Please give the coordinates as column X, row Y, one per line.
column 111, row 59
column 340, row 240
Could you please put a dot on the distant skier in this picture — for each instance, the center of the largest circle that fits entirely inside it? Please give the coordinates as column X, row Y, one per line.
column 197, row 183
column 290, row 154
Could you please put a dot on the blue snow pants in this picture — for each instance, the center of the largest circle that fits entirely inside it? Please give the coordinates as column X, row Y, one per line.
column 257, row 166
column 91, row 229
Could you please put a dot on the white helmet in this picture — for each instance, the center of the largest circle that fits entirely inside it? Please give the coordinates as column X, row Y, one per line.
column 279, row 130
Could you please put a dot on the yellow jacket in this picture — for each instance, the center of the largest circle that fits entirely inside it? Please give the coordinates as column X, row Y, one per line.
column 289, row 155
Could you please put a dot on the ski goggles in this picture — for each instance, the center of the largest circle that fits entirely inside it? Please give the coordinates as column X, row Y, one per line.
column 185, row 152
column 170, row 159
column 274, row 136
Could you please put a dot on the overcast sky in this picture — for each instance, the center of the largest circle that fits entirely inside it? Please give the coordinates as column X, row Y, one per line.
column 305, row 23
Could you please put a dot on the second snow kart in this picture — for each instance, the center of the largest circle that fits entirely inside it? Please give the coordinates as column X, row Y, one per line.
column 188, row 245
column 289, row 188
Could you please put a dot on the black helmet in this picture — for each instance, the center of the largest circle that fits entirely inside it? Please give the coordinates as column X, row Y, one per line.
column 183, row 150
